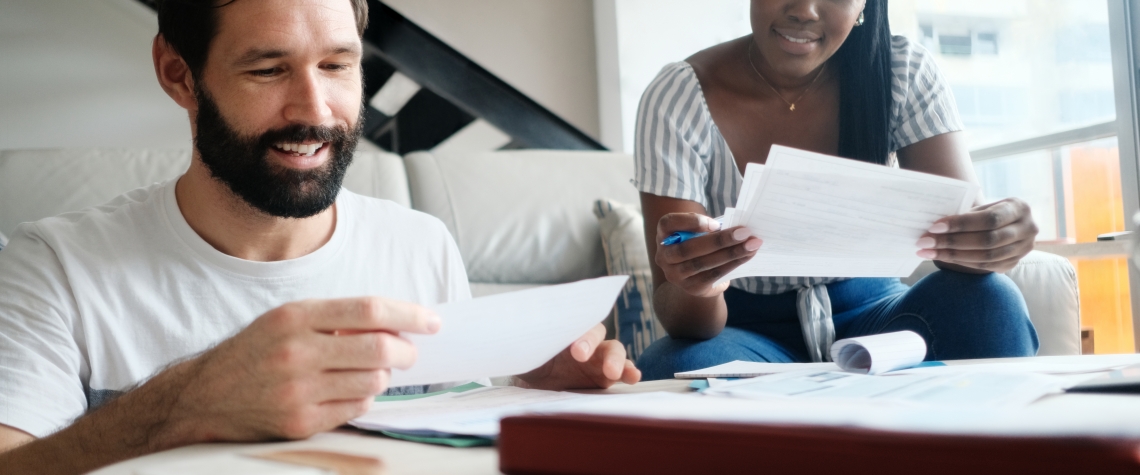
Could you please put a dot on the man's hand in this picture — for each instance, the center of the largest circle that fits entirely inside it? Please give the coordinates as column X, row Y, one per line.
column 588, row 363
column 297, row 370
column 301, row 368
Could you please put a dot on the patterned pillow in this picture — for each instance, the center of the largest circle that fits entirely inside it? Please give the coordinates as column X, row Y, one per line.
column 623, row 239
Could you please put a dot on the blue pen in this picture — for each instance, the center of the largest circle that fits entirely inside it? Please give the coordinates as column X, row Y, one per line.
column 682, row 236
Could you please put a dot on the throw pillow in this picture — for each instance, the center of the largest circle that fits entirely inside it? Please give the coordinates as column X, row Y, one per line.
column 623, row 240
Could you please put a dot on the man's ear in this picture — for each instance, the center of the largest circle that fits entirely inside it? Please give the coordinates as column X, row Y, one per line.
column 173, row 74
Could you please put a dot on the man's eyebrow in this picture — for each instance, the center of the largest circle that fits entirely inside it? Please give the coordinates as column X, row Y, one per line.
column 345, row 48
column 257, row 54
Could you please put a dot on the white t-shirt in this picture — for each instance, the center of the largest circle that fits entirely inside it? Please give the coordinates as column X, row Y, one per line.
column 96, row 301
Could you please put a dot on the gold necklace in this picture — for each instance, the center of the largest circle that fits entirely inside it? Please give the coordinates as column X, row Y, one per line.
column 791, row 105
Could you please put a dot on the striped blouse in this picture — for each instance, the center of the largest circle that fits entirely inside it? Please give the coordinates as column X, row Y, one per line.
column 680, row 153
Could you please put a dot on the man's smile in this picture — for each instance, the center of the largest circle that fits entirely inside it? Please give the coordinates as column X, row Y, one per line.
column 301, row 156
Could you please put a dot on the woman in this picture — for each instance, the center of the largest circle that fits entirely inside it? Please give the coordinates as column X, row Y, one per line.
column 825, row 76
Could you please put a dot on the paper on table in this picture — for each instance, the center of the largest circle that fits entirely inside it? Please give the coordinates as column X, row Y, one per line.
column 507, row 334
column 877, row 354
column 473, row 413
column 873, row 354
column 976, row 389
column 748, row 369
column 826, row 216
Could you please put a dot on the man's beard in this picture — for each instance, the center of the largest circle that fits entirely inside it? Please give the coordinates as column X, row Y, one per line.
column 242, row 162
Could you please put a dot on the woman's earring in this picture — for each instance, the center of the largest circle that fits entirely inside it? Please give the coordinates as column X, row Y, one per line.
column 859, row 22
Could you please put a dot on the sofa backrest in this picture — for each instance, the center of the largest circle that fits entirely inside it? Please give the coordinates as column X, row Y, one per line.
column 35, row 184
column 522, row 217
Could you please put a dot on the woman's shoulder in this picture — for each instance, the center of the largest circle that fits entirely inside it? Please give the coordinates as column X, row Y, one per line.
column 672, row 78
column 674, row 92
column 909, row 60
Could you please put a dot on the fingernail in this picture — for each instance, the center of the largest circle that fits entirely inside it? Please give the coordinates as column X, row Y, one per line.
column 584, row 346
column 715, row 225
column 434, row 323
column 926, row 242
column 939, row 228
column 741, row 234
column 927, row 254
column 752, row 245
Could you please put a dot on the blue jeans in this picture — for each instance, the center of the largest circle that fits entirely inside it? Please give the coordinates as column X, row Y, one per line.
column 959, row 315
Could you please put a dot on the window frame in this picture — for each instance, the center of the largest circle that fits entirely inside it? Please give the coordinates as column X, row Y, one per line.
column 1123, row 17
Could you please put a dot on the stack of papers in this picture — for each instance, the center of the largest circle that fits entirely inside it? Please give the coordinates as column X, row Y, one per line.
column 469, row 413
column 821, row 215
column 871, row 354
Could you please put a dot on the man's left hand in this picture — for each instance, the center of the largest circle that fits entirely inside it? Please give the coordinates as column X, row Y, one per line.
column 591, row 362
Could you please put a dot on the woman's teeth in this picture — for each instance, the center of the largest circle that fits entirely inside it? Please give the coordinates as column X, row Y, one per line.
column 300, row 149
column 796, row 40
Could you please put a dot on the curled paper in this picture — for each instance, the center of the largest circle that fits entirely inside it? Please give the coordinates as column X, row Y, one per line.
column 877, row 354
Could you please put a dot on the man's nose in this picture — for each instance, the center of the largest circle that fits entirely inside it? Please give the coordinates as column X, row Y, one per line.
column 308, row 101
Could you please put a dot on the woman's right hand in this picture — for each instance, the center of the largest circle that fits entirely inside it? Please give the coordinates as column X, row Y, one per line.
column 697, row 265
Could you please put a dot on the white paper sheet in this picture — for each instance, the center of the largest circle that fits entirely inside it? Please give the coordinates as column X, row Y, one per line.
column 1054, row 365
column 507, row 334
column 749, row 369
column 1067, row 415
column 973, row 389
column 877, row 354
column 473, row 413
column 873, row 354
column 826, row 216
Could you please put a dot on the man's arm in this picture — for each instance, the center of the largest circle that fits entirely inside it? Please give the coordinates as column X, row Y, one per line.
column 11, row 437
column 299, row 369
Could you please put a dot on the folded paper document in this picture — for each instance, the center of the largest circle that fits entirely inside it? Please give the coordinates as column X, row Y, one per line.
column 872, row 354
column 507, row 334
column 827, row 216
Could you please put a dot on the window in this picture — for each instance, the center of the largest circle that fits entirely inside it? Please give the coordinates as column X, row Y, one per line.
column 1028, row 75
column 1035, row 85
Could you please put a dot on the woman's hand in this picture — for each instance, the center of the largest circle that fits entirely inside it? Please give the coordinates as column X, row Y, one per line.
column 697, row 265
column 992, row 237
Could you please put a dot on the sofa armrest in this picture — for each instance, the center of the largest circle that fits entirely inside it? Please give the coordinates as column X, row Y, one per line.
column 1049, row 284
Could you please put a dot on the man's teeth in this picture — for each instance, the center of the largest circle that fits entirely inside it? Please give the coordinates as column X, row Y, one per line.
column 796, row 40
column 300, row 149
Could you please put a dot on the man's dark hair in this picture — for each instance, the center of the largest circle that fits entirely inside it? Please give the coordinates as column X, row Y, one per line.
column 189, row 26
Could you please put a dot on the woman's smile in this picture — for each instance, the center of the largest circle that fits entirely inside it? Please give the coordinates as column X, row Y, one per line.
column 795, row 41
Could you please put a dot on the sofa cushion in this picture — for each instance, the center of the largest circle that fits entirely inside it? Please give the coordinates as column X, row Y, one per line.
column 522, row 216
column 36, row 184
column 623, row 239
column 1049, row 284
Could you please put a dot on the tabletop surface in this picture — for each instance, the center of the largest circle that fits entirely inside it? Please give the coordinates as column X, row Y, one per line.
column 401, row 457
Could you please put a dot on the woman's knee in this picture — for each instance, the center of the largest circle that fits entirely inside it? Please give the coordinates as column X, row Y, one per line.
column 985, row 314
column 667, row 355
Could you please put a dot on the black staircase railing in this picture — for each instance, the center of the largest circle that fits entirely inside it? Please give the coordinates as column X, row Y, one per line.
column 453, row 93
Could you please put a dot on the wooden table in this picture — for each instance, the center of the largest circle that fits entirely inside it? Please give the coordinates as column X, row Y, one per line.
column 400, row 457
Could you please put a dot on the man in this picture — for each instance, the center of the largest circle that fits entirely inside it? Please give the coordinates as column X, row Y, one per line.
column 226, row 305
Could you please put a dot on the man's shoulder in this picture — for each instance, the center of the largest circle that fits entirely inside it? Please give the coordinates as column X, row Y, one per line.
column 387, row 216
column 105, row 222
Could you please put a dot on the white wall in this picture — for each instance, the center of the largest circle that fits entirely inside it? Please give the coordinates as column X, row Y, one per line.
column 544, row 48
column 78, row 73
column 647, row 35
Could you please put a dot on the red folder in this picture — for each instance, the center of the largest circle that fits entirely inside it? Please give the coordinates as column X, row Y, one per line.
column 587, row 444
